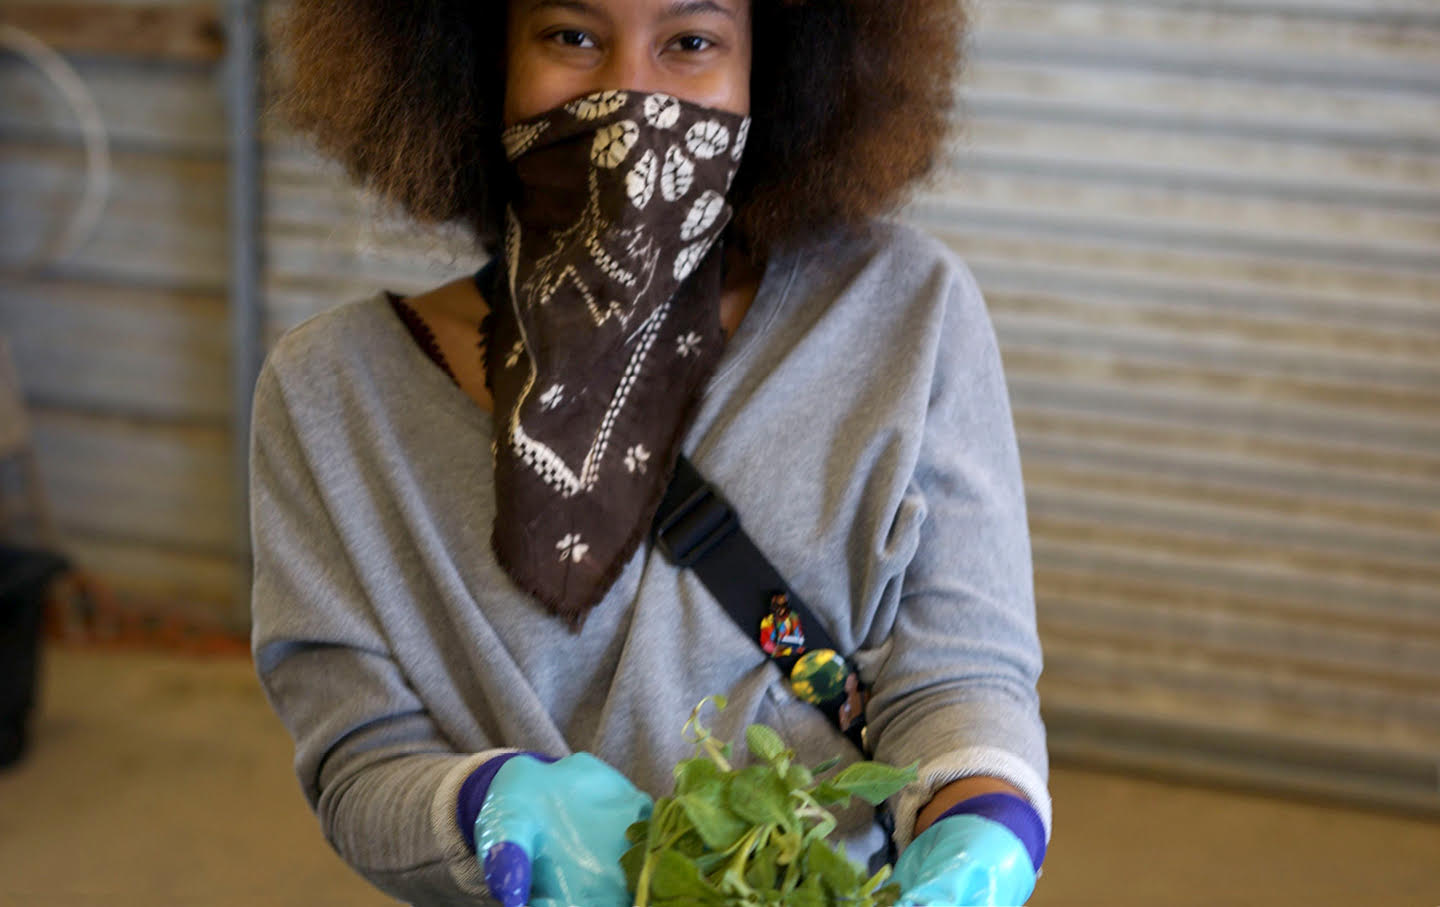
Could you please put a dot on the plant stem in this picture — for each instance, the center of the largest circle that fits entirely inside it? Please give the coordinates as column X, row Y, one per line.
column 717, row 753
column 642, row 887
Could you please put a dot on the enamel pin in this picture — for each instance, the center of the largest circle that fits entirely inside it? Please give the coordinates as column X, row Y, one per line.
column 780, row 630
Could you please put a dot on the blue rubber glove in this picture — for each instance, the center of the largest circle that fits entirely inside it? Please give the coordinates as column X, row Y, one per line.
column 551, row 833
column 970, row 858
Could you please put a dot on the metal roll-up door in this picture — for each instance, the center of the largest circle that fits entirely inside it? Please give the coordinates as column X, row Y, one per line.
column 119, row 340
column 1209, row 237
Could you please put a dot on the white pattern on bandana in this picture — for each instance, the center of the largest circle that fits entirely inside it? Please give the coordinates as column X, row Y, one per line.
column 636, row 458
column 702, row 214
column 687, row 344
column 594, row 257
column 662, row 111
column 640, row 181
column 613, row 143
column 707, row 139
column 593, row 107
column 678, row 174
column 571, row 546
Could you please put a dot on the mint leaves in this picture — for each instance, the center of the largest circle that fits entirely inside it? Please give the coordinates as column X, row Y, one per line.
column 756, row 835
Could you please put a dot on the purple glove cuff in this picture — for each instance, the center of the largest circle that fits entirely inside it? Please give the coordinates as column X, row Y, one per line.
column 474, row 789
column 1013, row 812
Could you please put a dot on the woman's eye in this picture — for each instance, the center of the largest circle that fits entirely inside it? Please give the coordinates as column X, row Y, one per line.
column 694, row 43
column 573, row 37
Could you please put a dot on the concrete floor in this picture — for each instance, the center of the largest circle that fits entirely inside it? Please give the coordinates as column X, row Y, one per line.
column 160, row 780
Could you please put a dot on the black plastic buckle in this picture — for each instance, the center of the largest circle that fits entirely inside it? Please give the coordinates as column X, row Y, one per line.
column 702, row 521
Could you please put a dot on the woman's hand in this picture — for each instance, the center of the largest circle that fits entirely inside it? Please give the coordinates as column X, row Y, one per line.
column 965, row 860
column 553, row 833
column 984, row 849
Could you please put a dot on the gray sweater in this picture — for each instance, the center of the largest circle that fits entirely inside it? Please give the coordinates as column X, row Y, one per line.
column 859, row 423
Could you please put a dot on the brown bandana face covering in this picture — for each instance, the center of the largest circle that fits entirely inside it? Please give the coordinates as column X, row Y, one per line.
column 605, row 328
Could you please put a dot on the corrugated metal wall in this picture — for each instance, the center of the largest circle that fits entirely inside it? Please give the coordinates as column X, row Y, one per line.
column 122, row 347
column 1209, row 234
column 324, row 242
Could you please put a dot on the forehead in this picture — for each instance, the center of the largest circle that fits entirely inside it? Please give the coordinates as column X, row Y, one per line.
column 660, row 9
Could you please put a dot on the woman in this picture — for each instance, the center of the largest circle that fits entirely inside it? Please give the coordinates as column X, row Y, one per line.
column 459, row 611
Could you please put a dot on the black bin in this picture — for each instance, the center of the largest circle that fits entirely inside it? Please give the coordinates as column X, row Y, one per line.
column 25, row 575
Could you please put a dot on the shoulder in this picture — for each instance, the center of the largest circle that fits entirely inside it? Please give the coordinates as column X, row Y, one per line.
column 363, row 339
column 324, row 332
column 357, row 323
column 893, row 288
column 888, row 271
column 908, row 261
column 325, row 346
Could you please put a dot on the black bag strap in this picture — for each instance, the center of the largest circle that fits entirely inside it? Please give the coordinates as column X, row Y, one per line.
column 696, row 527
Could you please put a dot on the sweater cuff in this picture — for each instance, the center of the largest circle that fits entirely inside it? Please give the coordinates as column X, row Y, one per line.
column 976, row 760
column 473, row 789
column 459, row 857
column 1015, row 813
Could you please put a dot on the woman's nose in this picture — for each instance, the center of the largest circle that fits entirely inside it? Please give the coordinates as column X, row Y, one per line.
column 630, row 68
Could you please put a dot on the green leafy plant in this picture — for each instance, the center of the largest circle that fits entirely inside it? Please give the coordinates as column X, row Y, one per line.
column 755, row 835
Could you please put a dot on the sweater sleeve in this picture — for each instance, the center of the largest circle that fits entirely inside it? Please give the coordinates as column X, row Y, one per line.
column 373, row 766
column 957, row 688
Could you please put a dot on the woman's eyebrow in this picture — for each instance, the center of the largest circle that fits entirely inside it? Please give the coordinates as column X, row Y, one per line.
column 694, row 7
column 579, row 6
column 674, row 11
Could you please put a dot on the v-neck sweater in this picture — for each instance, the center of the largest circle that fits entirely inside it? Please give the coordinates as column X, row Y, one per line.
column 858, row 422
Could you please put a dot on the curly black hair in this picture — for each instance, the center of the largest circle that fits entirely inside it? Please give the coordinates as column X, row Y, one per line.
column 851, row 101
